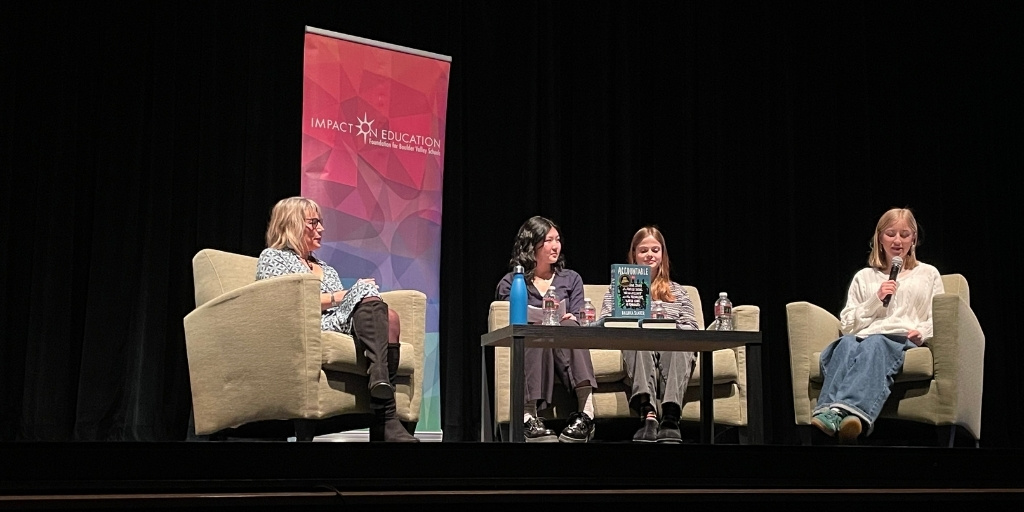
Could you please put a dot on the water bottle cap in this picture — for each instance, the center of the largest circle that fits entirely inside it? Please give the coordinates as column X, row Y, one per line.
column 723, row 294
column 586, row 299
column 518, row 269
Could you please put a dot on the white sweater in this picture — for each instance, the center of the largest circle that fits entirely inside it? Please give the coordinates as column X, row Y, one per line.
column 909, row 308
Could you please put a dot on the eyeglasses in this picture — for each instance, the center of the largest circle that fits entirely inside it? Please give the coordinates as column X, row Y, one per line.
column 314, row 222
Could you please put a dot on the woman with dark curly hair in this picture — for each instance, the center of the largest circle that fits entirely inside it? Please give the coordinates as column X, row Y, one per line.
column 538, row 248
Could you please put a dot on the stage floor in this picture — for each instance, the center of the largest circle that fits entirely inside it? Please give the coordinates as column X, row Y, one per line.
column 264, row 475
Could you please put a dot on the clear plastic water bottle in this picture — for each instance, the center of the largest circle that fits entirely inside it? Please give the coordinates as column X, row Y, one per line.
column 551, row 307
column 657, row 309
column 723, row 312
column 517, row 298
column 589, row 314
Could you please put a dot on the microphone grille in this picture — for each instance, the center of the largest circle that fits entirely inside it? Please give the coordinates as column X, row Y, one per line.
column 897, row 261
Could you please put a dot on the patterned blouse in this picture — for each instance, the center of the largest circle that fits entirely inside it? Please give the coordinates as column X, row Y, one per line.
column 279, row 262
column 681, row 309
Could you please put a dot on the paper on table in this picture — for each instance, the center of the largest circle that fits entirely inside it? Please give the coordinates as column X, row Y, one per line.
column 535, row 315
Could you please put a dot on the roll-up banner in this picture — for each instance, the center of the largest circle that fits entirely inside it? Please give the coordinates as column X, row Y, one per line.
column 373, row 122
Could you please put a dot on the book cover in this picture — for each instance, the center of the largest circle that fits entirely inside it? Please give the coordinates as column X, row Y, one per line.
column 631, row 295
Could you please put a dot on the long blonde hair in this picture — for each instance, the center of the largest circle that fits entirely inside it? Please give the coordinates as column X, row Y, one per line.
column 660, row 289
column 287, row 222
column 878, row 258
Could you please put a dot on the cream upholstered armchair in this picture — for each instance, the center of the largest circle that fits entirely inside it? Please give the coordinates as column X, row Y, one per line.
column 611, row 398
column 940, row 383
column 256, row 352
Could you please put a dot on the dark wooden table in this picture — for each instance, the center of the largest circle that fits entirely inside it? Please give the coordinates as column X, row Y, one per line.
column 519, row 337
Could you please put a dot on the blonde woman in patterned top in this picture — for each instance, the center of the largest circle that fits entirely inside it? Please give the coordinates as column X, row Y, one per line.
column 658, row 376
column 296, row 230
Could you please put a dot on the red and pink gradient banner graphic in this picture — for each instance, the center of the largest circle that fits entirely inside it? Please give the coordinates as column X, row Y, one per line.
column 373, row 121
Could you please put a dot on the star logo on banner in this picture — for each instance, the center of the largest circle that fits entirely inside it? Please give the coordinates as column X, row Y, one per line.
column 364, row 127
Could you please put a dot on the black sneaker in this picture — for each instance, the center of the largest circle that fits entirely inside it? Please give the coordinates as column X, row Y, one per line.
column 579, row 430
column 668, row 432
column 647, row 433
column 535, row 432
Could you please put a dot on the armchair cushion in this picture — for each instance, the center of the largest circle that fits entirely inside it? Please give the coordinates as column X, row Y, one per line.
column 339, row 354
column 339, row 350
column 608, row 365
column 724, row 364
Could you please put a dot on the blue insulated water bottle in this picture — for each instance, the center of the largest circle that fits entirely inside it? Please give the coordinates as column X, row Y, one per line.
column 517, row 298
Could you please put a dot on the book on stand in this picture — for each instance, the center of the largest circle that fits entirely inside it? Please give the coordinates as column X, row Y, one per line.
column 631, row 296
column 631, row 290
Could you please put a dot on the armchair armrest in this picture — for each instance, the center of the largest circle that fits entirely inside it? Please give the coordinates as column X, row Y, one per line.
column 810, row 329
column 252, row 357
column 497, row 315
column 958, row 357
column 744, row 318
column 411, row 306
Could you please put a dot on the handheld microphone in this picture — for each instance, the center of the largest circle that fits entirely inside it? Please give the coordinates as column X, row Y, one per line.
column 897, row 264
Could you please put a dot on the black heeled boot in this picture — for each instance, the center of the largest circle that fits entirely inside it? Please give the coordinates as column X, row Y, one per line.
column 386, row 425
column 370, row 328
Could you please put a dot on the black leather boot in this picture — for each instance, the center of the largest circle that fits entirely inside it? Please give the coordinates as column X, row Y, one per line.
column 386, row 425
column 370, row 328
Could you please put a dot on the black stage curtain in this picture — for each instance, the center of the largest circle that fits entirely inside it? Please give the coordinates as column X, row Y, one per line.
column 765, row 140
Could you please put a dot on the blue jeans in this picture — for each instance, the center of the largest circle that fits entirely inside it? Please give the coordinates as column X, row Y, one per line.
column 859, row 372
